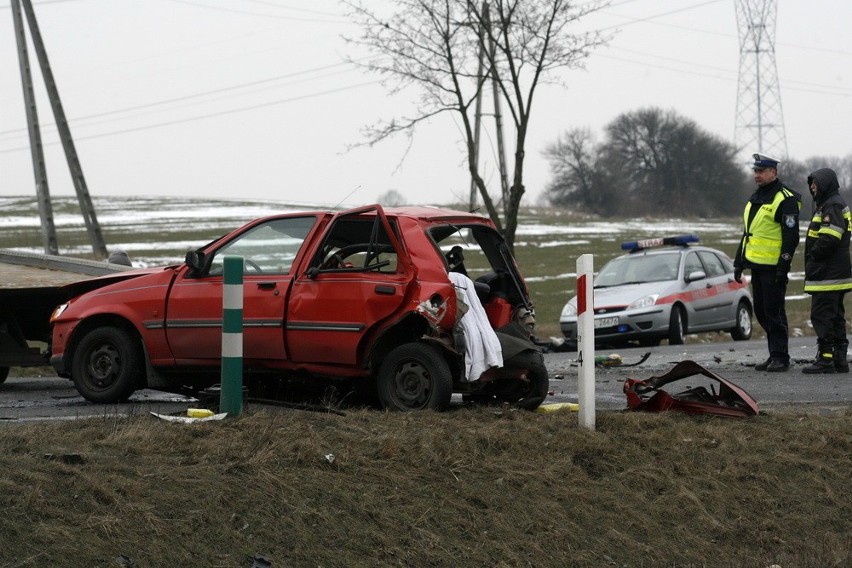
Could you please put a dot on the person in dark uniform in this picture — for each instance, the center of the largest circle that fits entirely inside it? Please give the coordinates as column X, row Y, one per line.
column 828, row 271
column 770, row 237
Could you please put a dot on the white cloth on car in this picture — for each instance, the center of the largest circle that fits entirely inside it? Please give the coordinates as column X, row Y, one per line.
column 482, row 348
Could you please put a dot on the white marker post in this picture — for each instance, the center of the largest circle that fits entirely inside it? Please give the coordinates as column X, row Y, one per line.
column 586, row 340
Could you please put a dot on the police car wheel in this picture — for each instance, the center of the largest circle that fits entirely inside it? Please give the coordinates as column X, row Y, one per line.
column 677, row 326
column 742, row 329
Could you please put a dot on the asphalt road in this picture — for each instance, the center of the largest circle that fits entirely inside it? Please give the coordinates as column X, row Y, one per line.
column 47, row 397
column 733, row 360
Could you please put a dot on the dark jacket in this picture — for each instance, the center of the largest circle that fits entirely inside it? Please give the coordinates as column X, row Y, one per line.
column 827, row 263
column 787, row 216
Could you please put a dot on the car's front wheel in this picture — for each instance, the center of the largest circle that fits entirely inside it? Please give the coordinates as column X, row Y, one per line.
column 742, row 329
column 677, row 326
column 107, row 365
column 414, row 376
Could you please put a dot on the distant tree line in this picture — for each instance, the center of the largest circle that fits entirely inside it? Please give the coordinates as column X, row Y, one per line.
column 653, row 162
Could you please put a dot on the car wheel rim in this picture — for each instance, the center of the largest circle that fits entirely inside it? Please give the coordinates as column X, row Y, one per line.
column 745, row 322
column 104, row 365
column 412, row 384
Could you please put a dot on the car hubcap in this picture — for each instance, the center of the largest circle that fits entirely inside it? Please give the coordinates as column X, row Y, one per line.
column 104, row 364
column 412, row 384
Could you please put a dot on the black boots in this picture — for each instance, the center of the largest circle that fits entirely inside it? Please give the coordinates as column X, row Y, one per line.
column 824, row 363
column 841, row 363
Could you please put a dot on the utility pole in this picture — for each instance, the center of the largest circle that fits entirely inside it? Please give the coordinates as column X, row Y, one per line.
column 498, row 119
column 477, row 118
column 86, row 207
column 760, row 118
column 45, row 208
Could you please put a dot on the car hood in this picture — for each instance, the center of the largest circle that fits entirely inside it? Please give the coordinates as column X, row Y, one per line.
column 624, row 295
column 81, row 287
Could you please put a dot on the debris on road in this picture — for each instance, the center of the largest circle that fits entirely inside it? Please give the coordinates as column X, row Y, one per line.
column 730, row 400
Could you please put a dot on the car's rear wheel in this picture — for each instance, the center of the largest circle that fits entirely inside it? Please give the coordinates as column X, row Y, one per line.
column 677, row 326
column 414, row 376
column 4, row 372
column 107, row 365
column 742, row 329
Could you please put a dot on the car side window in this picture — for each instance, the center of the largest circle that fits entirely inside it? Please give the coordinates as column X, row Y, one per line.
column 713, row 264
column 355, row 244
column 692, row 264
column 269, row 248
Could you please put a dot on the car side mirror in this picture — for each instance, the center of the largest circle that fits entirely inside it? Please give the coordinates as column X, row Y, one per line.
column 195, row 260
column 696, row 275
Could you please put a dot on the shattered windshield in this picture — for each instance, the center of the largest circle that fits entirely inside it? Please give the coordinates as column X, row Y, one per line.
column 639, row 270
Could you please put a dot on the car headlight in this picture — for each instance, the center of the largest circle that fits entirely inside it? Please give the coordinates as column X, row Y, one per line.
column 644, row 302
column 570, row 309
column 58, row 311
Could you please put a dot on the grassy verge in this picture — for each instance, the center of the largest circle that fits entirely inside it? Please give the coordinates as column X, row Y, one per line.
column 473, row 487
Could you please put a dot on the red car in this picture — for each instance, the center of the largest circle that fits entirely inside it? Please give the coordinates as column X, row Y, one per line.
column 363, row 295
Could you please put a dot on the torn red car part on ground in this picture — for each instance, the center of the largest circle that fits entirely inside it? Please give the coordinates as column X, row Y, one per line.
column 730, row 400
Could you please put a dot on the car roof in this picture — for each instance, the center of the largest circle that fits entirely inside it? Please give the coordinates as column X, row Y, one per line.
column 670, row 249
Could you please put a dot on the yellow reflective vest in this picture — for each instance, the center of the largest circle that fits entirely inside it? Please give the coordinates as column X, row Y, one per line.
column 762, row 241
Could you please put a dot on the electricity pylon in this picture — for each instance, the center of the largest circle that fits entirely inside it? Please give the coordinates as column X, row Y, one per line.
column 760, row 119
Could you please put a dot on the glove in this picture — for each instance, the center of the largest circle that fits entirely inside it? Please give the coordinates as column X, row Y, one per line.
column 781, row 278
column 738, row 275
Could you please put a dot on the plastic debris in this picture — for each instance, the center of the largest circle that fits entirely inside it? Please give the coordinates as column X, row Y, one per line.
column 189, row 420
column 611, row 360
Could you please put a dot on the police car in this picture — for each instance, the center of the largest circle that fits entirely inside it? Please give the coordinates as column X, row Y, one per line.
column 664, row 288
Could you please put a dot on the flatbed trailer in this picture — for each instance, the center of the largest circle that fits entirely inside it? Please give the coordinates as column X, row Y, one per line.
column 30, row 288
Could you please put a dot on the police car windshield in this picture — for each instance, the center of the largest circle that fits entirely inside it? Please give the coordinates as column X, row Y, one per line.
column 639, row 269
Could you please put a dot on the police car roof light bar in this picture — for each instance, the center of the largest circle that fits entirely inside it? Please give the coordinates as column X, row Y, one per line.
column 680, row 240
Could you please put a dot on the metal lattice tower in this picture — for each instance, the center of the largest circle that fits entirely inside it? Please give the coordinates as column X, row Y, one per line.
column 759, row 125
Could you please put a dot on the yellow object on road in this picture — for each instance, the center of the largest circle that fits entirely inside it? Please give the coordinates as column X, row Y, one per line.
column 199, row 412
column 557, row 406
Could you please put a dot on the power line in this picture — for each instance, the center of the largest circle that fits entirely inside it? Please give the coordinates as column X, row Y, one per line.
column 18, row 131
column 209, row 115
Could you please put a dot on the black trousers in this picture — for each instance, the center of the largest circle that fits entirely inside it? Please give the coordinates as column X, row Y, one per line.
column 770, row 313
column 828, row 317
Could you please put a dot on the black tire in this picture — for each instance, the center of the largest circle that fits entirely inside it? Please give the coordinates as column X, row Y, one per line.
column 677, row 326
column 742, row 329
column 414, row 376
column 529, row 394
column 108, row 365
column 4, row 372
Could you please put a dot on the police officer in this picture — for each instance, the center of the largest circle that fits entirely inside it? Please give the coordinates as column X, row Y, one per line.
column 828, row 271
column 770, row 237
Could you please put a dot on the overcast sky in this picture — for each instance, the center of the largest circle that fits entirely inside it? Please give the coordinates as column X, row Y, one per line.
column 252, row 99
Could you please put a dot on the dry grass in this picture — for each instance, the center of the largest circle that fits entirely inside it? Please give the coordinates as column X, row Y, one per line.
column 472, row 487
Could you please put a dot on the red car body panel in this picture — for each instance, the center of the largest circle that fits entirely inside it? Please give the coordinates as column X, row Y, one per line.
column 730, row 400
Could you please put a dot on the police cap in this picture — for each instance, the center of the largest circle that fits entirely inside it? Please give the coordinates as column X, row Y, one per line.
column 761, row 162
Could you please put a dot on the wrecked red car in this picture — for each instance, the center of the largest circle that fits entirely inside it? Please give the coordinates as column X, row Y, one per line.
column 364, row 295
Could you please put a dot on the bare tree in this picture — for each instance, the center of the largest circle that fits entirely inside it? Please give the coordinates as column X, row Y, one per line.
column 576, row 179
column 435, row 46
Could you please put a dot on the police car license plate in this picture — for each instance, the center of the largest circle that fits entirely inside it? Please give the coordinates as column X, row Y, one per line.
column 606, row 322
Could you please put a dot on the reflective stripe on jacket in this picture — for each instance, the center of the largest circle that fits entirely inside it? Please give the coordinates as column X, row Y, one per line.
column 762, row 242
